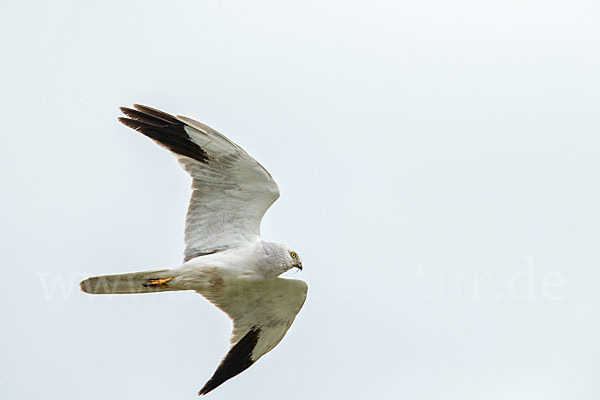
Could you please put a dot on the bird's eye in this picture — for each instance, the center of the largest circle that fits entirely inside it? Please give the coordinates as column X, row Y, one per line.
column 293, row 255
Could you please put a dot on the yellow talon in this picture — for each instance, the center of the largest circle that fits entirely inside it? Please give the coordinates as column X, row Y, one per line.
column 157, row 283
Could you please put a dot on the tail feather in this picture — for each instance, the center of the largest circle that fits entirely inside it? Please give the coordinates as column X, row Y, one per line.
column 135, row 282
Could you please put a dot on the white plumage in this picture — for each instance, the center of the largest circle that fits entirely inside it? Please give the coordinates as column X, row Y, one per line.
column 225, row 259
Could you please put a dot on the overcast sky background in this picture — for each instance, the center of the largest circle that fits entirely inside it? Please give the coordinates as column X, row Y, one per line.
column 438, row 165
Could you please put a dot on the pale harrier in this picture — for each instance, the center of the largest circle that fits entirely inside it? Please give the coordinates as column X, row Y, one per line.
column 226, row 260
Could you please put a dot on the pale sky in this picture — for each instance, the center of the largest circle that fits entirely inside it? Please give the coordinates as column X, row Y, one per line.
column 438, row 166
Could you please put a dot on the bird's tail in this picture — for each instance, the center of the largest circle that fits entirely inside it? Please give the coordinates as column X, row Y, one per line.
column 135, row 282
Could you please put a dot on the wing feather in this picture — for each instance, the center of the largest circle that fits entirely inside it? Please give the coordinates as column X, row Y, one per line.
column 231, row 191
column 262, row 312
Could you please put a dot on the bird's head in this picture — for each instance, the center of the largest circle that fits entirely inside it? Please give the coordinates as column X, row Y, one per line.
column 294, row 259
column 282, row 259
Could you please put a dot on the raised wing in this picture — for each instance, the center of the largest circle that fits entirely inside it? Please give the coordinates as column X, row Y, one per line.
column 231, row 190
column 262, row 312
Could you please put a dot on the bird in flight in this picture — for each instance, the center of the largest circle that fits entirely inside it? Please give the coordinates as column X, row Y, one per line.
column 225, row 259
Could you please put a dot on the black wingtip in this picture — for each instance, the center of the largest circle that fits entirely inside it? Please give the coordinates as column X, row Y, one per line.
column 147, row 119
column 130, row 123
column 235, row 362
column 156, row 113
column 164, row 129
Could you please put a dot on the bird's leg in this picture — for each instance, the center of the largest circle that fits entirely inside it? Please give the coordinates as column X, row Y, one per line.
column 157, row 283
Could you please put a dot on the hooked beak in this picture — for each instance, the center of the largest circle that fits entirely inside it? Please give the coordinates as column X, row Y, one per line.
column 298, row 265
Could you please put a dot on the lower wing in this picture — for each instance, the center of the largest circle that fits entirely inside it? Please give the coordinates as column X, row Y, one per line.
column 262, row 312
